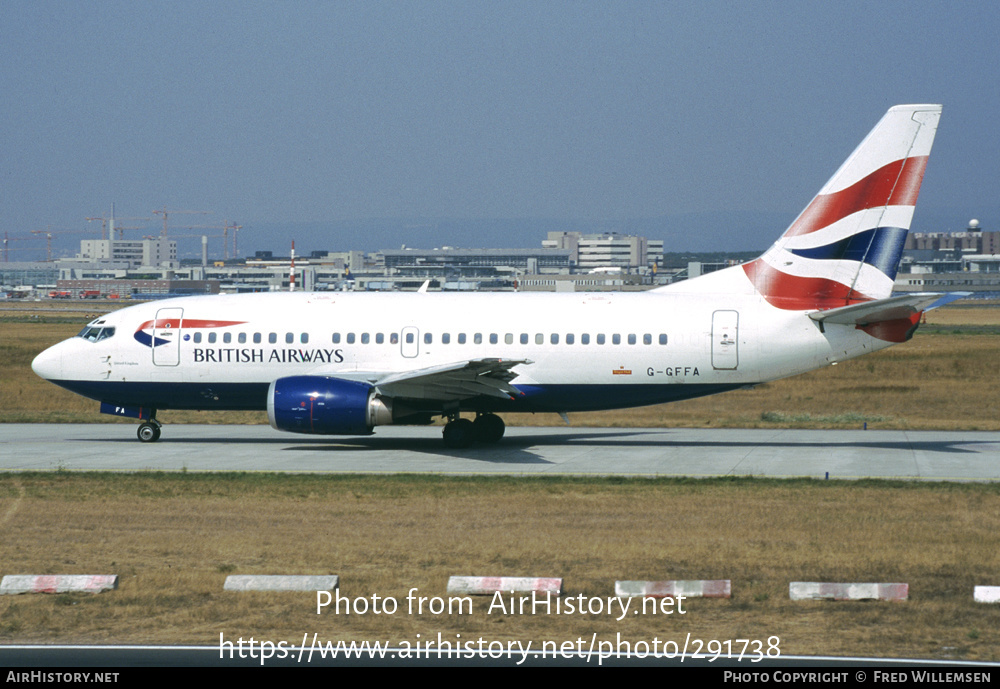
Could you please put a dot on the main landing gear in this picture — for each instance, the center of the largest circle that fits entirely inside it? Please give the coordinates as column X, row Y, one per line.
column 459, row 433
column 149, row 431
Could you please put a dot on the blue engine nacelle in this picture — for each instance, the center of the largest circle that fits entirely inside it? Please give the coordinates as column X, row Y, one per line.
column 325, row 406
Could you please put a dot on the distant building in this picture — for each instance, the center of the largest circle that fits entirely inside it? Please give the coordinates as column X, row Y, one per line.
column 480, row 263
column 950, row 261
column 607, row 250
column 159, row 252
column 28, row 273
column 137, row 288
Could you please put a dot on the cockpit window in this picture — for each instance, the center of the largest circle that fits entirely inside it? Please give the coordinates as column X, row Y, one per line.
column 96, row 334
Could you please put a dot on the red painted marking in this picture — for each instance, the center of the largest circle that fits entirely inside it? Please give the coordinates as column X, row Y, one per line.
column 896, row 184
column 490, row 583
column 799, row 293
column 187, row 323
column 716, row 588
column 894, row 591
column 898, row 330
column 46, row 583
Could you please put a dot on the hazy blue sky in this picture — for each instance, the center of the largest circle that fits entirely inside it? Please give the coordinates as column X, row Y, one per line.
column 594, row 111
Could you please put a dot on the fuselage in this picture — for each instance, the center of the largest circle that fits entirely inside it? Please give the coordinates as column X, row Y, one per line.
column 583, row 351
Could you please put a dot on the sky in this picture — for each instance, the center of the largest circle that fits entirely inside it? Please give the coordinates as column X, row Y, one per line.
column 393, row 118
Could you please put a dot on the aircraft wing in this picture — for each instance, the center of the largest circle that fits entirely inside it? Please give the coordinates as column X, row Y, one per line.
column 456, row 381
column 879, row 310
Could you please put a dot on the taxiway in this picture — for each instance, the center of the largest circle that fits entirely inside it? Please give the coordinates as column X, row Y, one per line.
column 780, row 453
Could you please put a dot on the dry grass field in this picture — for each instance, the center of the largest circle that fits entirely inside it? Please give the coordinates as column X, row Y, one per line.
column 172, row 539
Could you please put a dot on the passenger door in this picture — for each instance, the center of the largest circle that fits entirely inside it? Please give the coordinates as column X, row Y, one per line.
column 167, row 332
column 725, row 340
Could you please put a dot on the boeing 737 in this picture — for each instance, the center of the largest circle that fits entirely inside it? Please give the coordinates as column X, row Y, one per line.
column 340, row 363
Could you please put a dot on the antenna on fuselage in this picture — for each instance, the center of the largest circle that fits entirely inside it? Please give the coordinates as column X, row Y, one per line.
column 291, row 270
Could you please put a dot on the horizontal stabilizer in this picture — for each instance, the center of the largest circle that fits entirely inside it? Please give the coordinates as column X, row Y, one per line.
column 880, row 310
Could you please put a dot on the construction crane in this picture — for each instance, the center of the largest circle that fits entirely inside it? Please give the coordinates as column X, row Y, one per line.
column 115, row 226
column 225, row 227
column 48, row 238
column 236, row 234
column 6, row 249
column 165, row 213
column 225, row 233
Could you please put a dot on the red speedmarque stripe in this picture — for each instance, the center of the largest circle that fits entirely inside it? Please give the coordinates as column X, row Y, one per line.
column 792, row 292
column 188, row 323
column 895, row 184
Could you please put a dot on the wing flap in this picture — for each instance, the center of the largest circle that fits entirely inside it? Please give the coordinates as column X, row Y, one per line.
column 457, row 381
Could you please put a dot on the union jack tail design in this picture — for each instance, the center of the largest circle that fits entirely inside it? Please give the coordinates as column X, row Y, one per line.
column 845, row 246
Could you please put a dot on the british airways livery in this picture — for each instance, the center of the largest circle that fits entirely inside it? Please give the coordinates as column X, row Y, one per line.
column 342, row 363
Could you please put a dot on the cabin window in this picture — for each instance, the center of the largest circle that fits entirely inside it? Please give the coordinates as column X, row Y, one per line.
column 211, row 338
column 600, row 339
column 477, row 338
column 663, row 339
column 242, row 338
column 256, row 338
column 394, row 338
column 428, row 338
column 585, row 338
column 409, row 338
column 554, row 338
column 461, row 338
column 336, row 338
column 364, row 338
column 350, row 338
column 631, row 338
column 379, row 338
column 494, row 338
column 569, row 338
column 539, row 338
column 508, row 338
column 304, row 338
column 524, row 338
column 272, row 338
column 647, row 339
column 616, row 339
column 227, row 337
column 289, row 338
column 445, row 338
column 197, row 338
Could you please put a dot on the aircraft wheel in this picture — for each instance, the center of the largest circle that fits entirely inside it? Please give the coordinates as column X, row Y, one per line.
column 148, row 432
column 489, row 428
column 459, row 433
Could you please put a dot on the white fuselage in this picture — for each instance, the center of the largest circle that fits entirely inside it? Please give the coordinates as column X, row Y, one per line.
column 598, row 350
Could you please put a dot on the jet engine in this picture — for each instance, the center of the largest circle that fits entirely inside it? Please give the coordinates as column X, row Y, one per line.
column 325, row 406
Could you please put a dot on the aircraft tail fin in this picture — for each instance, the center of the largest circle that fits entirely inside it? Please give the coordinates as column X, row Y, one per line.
column 844, row 248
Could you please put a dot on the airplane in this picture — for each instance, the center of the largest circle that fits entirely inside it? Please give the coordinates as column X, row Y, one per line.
column 341, row 363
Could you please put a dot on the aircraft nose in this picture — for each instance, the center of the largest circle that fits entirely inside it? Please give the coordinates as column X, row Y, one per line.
column 48, row 364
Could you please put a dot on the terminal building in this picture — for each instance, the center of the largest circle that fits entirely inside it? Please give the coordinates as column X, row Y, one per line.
column 607, row 251
column 951, row 261
column 159, row 252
